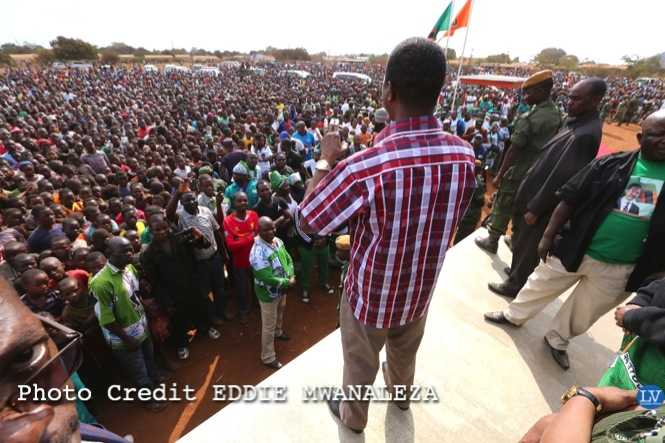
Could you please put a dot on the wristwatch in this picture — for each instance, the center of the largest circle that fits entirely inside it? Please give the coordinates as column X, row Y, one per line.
column 323, row 165
column 576, row 390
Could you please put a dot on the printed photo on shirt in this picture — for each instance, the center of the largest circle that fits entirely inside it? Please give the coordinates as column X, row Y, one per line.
column 640, row 197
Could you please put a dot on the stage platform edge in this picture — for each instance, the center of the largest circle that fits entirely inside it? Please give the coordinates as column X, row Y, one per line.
column 492, row 382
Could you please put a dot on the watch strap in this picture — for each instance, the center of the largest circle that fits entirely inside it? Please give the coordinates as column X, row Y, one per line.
column 323, row 165
column 584, row 393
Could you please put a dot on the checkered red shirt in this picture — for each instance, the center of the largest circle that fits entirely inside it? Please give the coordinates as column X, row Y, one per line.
column 403, row 199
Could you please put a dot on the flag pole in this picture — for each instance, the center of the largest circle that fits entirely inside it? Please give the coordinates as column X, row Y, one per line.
column 450, row 25
column 459, row 68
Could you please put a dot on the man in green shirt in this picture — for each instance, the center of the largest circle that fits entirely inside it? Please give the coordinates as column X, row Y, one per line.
column 273, row 274
column 610, row 233
column 121, row 315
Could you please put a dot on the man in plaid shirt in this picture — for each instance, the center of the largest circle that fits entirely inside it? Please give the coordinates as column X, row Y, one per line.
column 402, row 199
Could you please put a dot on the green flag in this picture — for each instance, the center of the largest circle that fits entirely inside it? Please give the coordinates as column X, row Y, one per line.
column 639, row 363
column 443, row 23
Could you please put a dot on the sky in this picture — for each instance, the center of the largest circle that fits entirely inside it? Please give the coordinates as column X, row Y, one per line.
column 599, row 30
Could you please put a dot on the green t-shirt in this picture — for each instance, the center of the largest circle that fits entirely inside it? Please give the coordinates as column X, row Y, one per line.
column 620, row 237
column 117, row 294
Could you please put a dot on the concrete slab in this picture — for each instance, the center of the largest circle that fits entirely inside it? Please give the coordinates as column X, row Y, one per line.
column 493, row 383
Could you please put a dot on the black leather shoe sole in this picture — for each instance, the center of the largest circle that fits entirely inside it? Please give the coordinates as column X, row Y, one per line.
column 275, row 364
column 560, row 357
column 500, row 289
column 492, row 249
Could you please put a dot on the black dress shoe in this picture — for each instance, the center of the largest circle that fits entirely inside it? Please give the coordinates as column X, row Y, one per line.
column 560, row 357
column 275, row 364
column 503, row 289
column 283, row 337
column 489, row 243
column 506, row 270
column 499, row 318
column 384, row 369
column 333, row 405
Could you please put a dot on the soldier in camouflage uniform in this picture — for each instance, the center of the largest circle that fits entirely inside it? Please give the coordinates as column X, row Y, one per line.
column 532, row 130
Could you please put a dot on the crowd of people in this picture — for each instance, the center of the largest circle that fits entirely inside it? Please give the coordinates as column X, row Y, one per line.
column 138, row 206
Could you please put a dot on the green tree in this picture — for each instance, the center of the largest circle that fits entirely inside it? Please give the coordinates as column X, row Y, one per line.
column 498, row 58
column 25, row 48
column 120, row 48
column 297, row 54
column 45, row 56
column 73, row 49
column 110, row 57
column 451, row 54
column 568, row 62
column 5, row 59
column 549, row 56
column 644, row 67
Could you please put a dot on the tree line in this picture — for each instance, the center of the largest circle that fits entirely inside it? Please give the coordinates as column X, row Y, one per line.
column 68, row 49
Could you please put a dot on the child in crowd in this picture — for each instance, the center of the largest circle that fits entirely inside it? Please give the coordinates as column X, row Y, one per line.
column 79, row 311
column 55, row 270
column 38, row 297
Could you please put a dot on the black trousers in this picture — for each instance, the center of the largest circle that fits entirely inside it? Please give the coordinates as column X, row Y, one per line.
column 209, row 275
column 525, row 241
column 189, row 311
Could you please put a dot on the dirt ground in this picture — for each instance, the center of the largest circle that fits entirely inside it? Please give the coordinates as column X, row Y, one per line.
column 234, row 359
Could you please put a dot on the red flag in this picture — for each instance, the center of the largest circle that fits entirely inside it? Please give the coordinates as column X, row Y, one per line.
column 461, row 20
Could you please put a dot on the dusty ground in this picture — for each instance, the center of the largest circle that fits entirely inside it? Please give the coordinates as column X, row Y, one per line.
column 233, row 359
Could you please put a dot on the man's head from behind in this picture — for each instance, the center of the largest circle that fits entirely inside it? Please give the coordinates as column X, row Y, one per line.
column 585, row 96
column 25, row 347
column 414, row 77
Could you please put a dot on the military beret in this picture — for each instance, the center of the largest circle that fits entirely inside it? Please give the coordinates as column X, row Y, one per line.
column 537, row 78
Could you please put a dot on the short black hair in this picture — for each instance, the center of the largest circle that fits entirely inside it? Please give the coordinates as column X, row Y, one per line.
column 598, row 87
column 416, row 71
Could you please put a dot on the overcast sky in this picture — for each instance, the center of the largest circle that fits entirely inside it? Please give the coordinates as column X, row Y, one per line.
column 600, row 30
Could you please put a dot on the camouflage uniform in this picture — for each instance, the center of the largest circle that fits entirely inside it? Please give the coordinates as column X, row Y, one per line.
column 532, row 130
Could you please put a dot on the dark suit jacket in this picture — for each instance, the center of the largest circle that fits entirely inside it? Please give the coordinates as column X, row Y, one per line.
column 565, row 154
column 633, row 209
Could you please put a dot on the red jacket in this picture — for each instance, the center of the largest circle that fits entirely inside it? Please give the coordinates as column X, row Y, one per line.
column 240, row 237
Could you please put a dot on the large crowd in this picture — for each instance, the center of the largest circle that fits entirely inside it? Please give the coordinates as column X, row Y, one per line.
column 136, row 204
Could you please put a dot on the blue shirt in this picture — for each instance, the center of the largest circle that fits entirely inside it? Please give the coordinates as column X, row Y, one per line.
column 40, row 239
column 10, row 159
column 461, row 128
column 308, row 140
